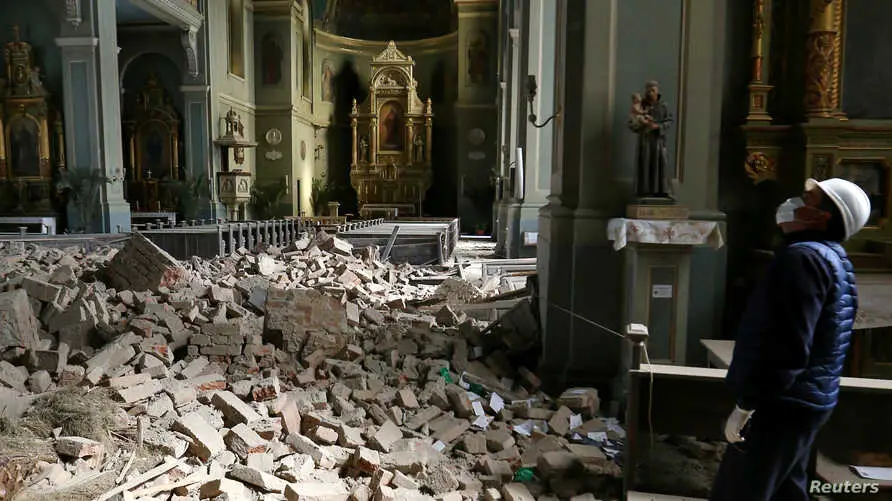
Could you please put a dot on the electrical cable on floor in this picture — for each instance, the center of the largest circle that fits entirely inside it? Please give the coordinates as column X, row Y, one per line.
column 650, row 393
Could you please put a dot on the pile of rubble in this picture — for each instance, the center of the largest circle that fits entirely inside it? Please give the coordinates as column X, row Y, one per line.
column 296, row 373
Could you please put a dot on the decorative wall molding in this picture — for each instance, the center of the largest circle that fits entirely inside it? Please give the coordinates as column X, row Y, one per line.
column 189, row 38
column 174, row 12
column 73, row 12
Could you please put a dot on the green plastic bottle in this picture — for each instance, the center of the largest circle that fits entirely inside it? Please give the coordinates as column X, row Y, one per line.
column 446, row 377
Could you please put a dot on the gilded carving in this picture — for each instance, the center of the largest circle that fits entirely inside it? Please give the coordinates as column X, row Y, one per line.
column 758, row 38
column 819, row 74
column 760, row 167
column 838, row 27
column 758, row 88
column 391, row 168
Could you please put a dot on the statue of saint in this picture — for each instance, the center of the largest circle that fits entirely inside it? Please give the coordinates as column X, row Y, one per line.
column 363, row 149
column 650, row 119
column 419, row 147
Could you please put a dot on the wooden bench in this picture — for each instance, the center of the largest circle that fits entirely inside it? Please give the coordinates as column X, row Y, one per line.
column 695, row 401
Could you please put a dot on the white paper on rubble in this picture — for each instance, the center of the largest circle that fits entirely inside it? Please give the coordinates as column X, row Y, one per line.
column 613, row 425
column 575, row 421
column 611, row 453
column 597, row 436
column 473, row 396
column 478, row 408
column 439, row 446
column 496, row 403
column 525, row 428
column 873, row 472
column 482, row 422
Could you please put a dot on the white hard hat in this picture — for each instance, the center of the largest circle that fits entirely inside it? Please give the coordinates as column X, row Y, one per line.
column 850, row 199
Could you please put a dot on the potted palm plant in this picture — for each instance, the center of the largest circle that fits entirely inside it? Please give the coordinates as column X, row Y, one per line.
column 266, row 199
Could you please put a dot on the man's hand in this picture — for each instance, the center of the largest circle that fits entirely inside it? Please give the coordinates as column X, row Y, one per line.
column 736, row 421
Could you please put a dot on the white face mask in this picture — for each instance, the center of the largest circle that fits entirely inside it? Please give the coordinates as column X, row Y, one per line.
column 786, row 213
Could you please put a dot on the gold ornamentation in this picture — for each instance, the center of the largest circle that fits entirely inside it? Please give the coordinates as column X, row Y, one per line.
column 819, row 74
column 390, row 146
column 760, row 167
column 391, row 54
column 838, row 27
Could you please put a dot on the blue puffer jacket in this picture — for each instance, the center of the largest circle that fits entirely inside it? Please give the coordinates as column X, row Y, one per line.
column 796, row 331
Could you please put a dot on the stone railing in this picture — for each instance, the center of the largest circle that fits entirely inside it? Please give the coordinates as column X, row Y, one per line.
column 222, row 238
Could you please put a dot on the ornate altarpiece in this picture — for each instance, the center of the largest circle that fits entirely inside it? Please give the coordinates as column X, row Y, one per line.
column 392, row 139
column 27, row 144
column 152, row 139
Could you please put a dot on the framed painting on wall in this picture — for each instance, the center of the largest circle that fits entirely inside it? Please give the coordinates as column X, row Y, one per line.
column 872, row 175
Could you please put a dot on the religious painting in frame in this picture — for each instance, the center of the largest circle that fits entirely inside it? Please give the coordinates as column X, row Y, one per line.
column 153, row 144
column 390, row 128
column 23, row 139
column 872, row 175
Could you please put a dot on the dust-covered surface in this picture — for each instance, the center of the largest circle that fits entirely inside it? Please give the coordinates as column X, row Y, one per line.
column 681, row 466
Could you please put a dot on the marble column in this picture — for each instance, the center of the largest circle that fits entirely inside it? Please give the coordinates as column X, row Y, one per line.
column 92, row 110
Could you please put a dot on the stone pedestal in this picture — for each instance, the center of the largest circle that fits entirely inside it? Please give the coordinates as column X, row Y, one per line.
column 656, row 282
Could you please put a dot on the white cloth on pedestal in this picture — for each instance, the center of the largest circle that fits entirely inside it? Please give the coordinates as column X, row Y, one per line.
column 664, row 232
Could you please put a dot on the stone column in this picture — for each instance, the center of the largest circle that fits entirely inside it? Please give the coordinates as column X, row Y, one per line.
column 92, row 110
column 821, row 51
column 476, row 110
column 197, row 139
column 539, row 45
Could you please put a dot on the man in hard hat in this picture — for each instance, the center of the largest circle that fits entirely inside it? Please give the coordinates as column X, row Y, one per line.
column 791, row 347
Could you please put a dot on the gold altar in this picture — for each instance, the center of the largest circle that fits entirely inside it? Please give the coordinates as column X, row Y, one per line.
column 391, row 154
column 27, row 143
column 151, row 132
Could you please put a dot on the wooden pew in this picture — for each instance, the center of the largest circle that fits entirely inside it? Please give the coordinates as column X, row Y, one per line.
column 695, row 401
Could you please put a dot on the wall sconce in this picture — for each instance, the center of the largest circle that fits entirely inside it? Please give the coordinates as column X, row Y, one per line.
column 317, row 151
column 531, row 95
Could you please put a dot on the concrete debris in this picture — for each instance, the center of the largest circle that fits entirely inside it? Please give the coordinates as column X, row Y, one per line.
column 295, row 373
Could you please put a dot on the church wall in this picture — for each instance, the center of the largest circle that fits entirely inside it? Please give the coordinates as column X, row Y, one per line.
column 39, row 27
column 348, row 63
column 229, row 90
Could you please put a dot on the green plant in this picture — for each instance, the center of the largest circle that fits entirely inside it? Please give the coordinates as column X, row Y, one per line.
column 189, row 193
column 265, row 199
column 322, row 191
column 82, row 187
